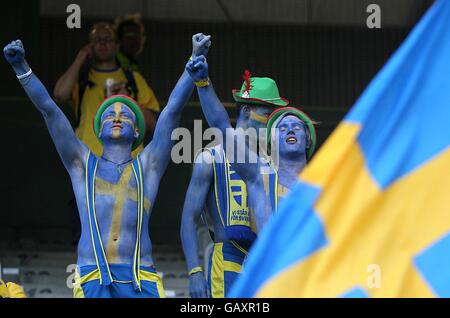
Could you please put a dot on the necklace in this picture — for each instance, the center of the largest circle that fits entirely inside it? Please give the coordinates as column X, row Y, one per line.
column 119, row 165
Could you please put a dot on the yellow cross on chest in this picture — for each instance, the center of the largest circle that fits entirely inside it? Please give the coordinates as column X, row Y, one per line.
column 121, row 192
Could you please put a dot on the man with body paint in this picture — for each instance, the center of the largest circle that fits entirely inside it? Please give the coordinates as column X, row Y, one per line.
column 295, row 139
column 219, row 190
column 114, row 192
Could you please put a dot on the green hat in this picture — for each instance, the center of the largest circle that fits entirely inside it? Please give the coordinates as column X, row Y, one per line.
column 259, row 90
column 134, row 106
column 278, row 114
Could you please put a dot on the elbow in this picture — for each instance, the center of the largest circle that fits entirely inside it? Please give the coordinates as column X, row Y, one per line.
column 48, row 114
column 60, row 95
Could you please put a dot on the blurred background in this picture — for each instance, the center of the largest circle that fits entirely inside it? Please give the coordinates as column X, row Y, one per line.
column 320, row 53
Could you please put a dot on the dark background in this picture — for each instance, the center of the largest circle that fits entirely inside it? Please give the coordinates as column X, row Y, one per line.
column 321, row 63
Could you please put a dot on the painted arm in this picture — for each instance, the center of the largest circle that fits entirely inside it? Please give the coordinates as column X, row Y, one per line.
column 238, row 153
column 194, row 204
column 69, row 147
column 157, row 153
column 217, row 116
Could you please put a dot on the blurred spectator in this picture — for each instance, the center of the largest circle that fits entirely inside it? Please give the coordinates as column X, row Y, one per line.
column 130, row 34
column 11, row 290
column 95, row 75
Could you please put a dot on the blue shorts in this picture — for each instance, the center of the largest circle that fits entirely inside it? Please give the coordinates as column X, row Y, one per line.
column 87, row 283
column 225, row 264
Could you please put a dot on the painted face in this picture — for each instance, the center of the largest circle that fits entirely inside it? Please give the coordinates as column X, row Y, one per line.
column 291, row 135
column 118, row 122
column 258, row 116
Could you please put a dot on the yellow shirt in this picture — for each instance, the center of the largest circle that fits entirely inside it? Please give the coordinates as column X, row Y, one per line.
column 94, row 96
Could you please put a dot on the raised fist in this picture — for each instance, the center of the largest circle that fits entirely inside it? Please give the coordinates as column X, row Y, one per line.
column 197, row 68
column 200, row 44
column 14, row 53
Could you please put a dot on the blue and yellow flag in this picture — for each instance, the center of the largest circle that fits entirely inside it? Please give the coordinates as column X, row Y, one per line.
column 370, row 216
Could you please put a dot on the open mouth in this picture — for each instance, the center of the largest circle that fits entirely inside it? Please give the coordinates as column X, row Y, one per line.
column 117, row 126
column 291, row 140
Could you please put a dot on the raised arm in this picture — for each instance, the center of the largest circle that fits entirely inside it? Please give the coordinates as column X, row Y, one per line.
column 194, row 203
column 156, row 154
column 217, row 117
column 69, row 147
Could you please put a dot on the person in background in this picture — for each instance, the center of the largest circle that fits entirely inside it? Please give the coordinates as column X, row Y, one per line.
column 94, row 76
column 130, row 34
